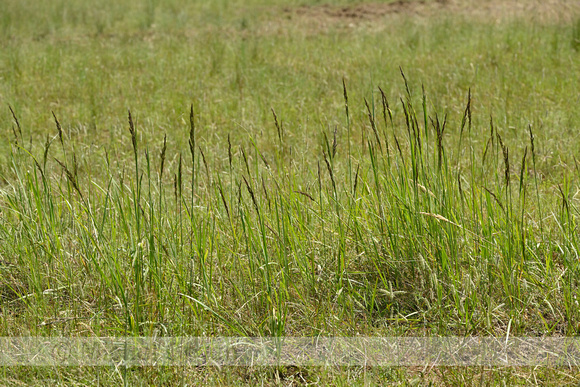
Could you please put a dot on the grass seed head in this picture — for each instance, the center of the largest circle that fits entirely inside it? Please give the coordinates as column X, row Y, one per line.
column 245, row 160
column 355, row 180
column 224, row 200
column 46, row 147
column 249, row 188
column 72, row 178
column 278, row 127
column 229, row 151
column 523, row 168
column 179, row 179
column 345, row 95
column 467, row 114
column 305, row 194
column 532, row 141
column 192, row 133
column 58, row 127
column 406, row 83
column 17, row 124
column 329, row 168
column 506, row 160
column 266, row 164
column 175, row 187
column 162, row 156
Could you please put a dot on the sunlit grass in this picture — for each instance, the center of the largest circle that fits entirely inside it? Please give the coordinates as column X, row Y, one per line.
column 278, row 180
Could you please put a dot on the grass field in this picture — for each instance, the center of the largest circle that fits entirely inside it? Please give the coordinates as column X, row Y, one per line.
column 270, row 168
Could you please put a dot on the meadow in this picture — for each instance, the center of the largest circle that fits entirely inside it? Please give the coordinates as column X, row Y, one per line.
column 270, row 168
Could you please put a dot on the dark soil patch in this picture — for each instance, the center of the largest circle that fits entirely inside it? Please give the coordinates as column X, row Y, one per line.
column 492, row 10
column 358, row 12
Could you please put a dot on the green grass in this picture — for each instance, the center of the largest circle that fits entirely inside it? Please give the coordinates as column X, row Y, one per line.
column 251, row 192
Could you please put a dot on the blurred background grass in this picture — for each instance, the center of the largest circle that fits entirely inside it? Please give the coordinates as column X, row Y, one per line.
column 234, row 60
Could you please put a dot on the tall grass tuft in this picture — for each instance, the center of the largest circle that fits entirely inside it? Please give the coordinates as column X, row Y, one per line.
column 428, row 230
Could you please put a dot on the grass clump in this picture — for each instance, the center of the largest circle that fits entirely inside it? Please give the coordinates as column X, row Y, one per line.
column 391, row 222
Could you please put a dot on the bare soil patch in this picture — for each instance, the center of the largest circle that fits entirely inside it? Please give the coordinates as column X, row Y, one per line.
column 541, row 11
column 365, row 11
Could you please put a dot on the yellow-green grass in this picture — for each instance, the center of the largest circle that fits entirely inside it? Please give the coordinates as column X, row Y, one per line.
column 243, row 196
